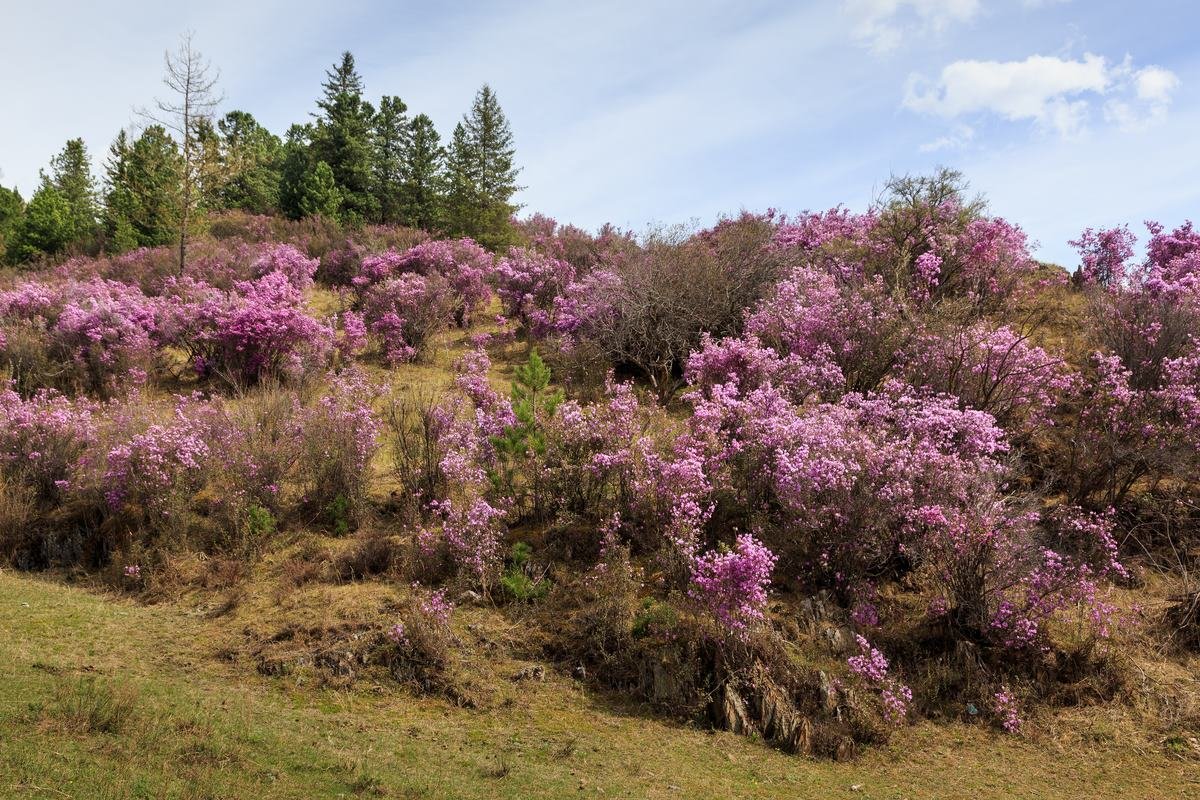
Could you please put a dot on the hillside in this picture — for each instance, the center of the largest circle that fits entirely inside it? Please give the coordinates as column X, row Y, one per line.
column 845, row 504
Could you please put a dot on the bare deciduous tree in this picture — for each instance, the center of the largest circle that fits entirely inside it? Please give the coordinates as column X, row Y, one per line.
column 192, row 81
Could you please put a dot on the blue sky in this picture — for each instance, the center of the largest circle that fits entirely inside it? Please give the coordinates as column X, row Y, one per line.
column 1064, row 114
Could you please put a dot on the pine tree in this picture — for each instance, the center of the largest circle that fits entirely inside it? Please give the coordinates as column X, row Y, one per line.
column 492, row 142
column 319, row 195
column 390, row 142
column 342, row 139
column 118, row 197
column 252, row 157
column 46, row 227
column 296, row 162
column 482, row 173
column 211, row 174
column 424, row 177
column 153, row 175
column 71, row 175
column 463, row 200
column 12, row 211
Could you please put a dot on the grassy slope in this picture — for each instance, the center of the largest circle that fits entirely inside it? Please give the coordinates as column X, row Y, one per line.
column 200, row 727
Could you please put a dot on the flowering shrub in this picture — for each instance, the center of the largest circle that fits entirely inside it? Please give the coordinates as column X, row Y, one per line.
column 472, row 531
column 298, row 268
column 1054, row 583
column 996, row 370
column 397, row 634
column 338, row 437
column 354, row 335
column 925, row 241
column 459, row 465
column 1007, row 710
column 871, row 667
column 732, row 585
column 437, row 607
column 461, row 263
column 156, row 472
column 860, row 482
column 406, row 312
column 527, row 282
column 86, row 335
column 855, row 328
column 257, row 330
column 1103, row 255
column 43, row 439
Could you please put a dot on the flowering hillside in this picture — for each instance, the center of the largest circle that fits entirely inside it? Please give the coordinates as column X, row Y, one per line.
column 812, row 477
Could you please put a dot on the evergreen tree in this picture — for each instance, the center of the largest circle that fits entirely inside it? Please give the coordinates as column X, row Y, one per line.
column 153, row 175
column 491, row 140
column 424, row 181
column 209, row 167
column 390, row 140
column 342, row 139
column 71, row 175
column 12, row 211
column 251, row 157
column 295, row 164
column 118, row 197
column 463, row 201
column 46, row 227
column 319, row 195
column 483, row 175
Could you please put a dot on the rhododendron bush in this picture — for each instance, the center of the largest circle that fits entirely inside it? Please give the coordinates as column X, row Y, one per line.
column 405, row 312
column 528, row 281
column 260, row 328
column 77, row 335
column 43, row 439
column 462, row 264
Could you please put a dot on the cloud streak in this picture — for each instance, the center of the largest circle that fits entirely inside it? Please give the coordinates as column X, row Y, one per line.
column 883, row 25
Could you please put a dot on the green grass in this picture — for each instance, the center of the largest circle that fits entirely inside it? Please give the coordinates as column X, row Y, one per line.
column 103, row 698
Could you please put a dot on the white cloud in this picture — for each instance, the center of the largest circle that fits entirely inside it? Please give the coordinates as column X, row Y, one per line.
column 1055, row 93
column 884, row 24
column 1155, row 84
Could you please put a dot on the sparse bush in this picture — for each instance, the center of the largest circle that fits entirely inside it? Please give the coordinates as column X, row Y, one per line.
column 648, row 312
column 420, row 648
column 338, row 437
